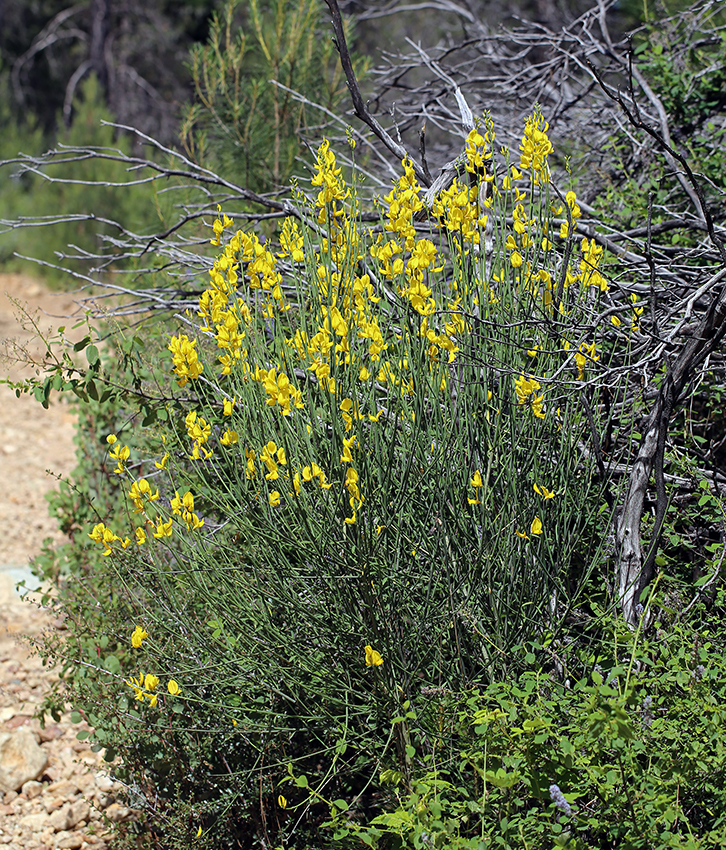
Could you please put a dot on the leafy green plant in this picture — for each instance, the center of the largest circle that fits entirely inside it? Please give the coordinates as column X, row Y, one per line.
column 243, row 124
column 627, row 753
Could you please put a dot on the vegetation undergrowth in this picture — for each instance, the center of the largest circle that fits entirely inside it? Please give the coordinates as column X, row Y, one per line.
column 353, row 584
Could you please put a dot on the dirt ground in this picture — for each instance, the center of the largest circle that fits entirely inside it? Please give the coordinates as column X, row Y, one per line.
column 36, row 445
column 72, row 801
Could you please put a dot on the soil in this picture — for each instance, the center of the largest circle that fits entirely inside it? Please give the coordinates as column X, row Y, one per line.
column 72, row 802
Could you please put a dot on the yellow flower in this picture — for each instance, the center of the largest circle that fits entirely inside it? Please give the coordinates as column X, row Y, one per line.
column 282, row 802
column 544, row 492
column 536, row 527
column 274, row 498
column 615, row 321
column 162, row 464
column 120, row 454
column 173, row 687
column 228, row 405
column 522, row 534
column 140, row 536
column 142, row 687
column 373, row 658
column 585, row 353
column 111, row 439
column 137, row 638
column 163, row 529
column 104, row 536
column 139, row 491
column 347, row 456
column 516, row 259
column 476, row 480
column 229, row 437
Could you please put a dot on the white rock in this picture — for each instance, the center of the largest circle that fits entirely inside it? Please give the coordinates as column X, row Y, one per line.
column 117, row 812
column 71, row 841
column 79, row 811
column 21, row 759
column 32, row 789
column 60, row 819
column 35, row 823
column 104, row 782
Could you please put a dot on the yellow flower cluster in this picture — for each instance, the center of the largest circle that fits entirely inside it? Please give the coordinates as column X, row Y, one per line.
column 591, row 256
column 584, row 354
column 403, row 203
column 184, row 357
column 103, row 535
column 140, row 494
column 279, row 390
column 145, row 685
column 118, row 453
column 575, row 213
column 291, row 242
column 457, row 210
column 478, row 150
column 199, row 431
column 184, row 507
column 536, row 147
column 355, row 498
column 333, row 191
column 526, row 390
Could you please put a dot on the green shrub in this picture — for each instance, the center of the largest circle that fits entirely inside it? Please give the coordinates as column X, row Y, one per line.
column 241, row 124
column 364, row 495
column 629, row 755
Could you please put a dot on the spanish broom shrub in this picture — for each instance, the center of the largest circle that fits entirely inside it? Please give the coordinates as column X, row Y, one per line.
column 372, row 487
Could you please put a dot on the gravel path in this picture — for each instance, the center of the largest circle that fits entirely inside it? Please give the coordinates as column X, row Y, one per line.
column 69, row 802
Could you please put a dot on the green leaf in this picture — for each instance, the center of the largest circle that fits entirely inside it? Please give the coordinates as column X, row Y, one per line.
column 112, row 664
column 83, row 734
column 92, row 355
column 82, row 343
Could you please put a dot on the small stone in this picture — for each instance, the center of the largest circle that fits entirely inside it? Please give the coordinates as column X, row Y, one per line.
column 103, row 801
column 52, row 803
column 80, row 811
column 21, row 759
column 50, row 733
column 32, row 789
column 10, row 797
column 70, row 842
column 64, row 788
column 104, row 782
column 117, row 812
column 35, row 823
column 17, row 721
column 60, row 818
